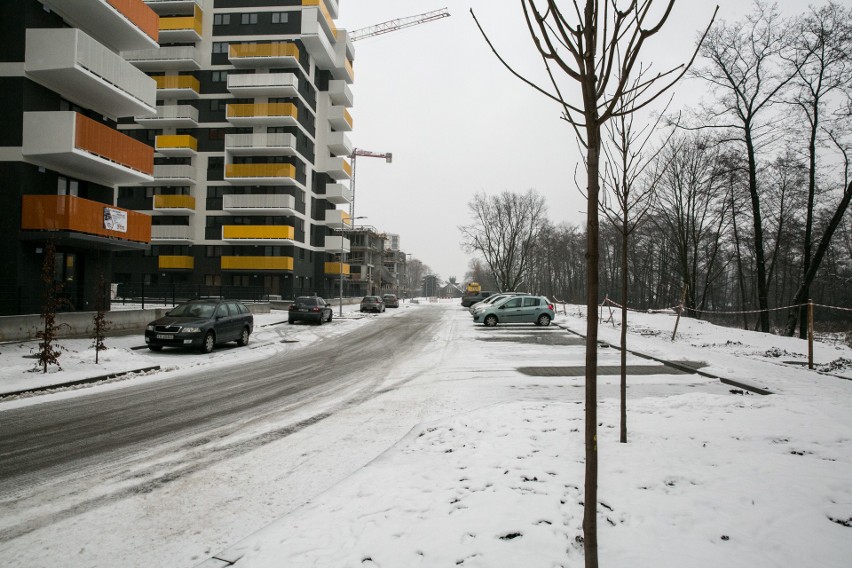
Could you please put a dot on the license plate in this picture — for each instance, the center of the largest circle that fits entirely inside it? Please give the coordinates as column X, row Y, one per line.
column 164, row 336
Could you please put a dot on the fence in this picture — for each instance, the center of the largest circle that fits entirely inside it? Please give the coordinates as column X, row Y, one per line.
column 680, row 309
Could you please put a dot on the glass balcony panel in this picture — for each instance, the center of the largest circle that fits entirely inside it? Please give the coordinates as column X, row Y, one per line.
column 260, row 204
column 168, row 58
column 172, row 233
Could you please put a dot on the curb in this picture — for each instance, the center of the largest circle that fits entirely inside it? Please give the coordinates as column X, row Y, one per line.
column 79, row 382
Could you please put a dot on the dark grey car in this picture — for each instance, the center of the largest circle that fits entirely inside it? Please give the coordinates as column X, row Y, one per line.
column 201, row 324
column 309, row 308
column 372, row 304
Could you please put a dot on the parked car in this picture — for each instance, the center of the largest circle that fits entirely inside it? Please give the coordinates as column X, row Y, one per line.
column 517, row 309
column 390, row 300
column 372, row 304
column 479, row 306
column 470, row 299
column 201, row 324
column 309, row 308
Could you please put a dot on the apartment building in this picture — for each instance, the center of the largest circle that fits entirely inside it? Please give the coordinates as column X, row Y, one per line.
column 249, row 191
column 63, row 87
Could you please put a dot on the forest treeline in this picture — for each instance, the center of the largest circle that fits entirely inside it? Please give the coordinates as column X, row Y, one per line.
column 737, row 204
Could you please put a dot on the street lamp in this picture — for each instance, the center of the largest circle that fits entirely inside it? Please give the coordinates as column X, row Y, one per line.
column 342, row 258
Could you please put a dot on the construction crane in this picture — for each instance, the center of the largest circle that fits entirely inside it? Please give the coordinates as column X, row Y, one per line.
column 398, row 24
column 366, row 153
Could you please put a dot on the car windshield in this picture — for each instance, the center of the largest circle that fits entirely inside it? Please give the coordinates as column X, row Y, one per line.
column 193, row 311
column 307, row 301
column 371, row 299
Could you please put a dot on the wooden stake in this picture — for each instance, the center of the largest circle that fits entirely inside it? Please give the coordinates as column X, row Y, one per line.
column 810, row 334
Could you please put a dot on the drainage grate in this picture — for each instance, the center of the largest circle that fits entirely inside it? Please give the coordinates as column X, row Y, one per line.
column 580, row 370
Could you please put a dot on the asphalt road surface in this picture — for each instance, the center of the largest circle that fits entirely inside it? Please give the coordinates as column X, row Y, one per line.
column 43, row 444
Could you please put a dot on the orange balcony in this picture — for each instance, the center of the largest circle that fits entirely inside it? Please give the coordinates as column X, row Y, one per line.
column 257, row 263
column 335, row 268
column 85, row 217
column 70, row 143
column 176, row 262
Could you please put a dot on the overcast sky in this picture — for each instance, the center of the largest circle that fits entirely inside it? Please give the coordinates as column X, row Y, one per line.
column 458, row 123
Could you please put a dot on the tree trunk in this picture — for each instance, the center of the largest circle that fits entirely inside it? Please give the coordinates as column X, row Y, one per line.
column 624, row 284
column 760, row 255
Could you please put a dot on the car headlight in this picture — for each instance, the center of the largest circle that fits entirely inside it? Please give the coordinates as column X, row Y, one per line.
column 191, row 330
column 150, row 328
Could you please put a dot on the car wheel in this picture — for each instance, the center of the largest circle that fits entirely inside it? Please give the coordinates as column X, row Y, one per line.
column 291, row 321
column 320, row 320
column 330, row 314
column 209, row 343
column 155, row 347
column 244, row 338
column 491, row 320
column 543, row 320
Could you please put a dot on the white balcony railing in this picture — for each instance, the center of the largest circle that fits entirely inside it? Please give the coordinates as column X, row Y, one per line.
column 171, row 233
column 73, row 64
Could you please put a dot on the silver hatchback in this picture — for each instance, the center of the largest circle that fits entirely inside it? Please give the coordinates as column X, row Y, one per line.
column 517, row 309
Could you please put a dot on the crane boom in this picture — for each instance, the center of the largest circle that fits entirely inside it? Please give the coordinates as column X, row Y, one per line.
column 398, row 24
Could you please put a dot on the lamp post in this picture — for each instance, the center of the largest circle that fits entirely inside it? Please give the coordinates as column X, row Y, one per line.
column 342, row 258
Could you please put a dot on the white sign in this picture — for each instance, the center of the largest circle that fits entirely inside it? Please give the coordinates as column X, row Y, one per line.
column 115, row 220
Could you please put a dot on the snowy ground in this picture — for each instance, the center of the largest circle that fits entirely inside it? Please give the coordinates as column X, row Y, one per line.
column 490, row 471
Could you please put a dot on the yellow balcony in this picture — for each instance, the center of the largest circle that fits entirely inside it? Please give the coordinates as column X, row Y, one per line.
column 263, row 54
column 175, row 204
column 335, row 268
column 177, row 86
column 178, row 145
column 257, row 263
column 261, row 174
column 178, row 29
column 340, row 119
column 263, row 114
column 325, row 13
column 176, row 262
column 257, row 232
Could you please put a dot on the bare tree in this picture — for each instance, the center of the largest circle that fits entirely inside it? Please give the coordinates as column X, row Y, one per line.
column 596, row 50
column 691, row 213
column 745, row 69
column 823, row 66
column 52, row 301
column 626, row 163
column 503, row 231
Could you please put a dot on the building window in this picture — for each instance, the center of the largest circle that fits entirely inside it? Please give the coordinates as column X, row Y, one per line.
column 221, row 19
column 220, row 47
column 219, row 76
column 280, row 17
column 248, row 19
column 65, row 186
